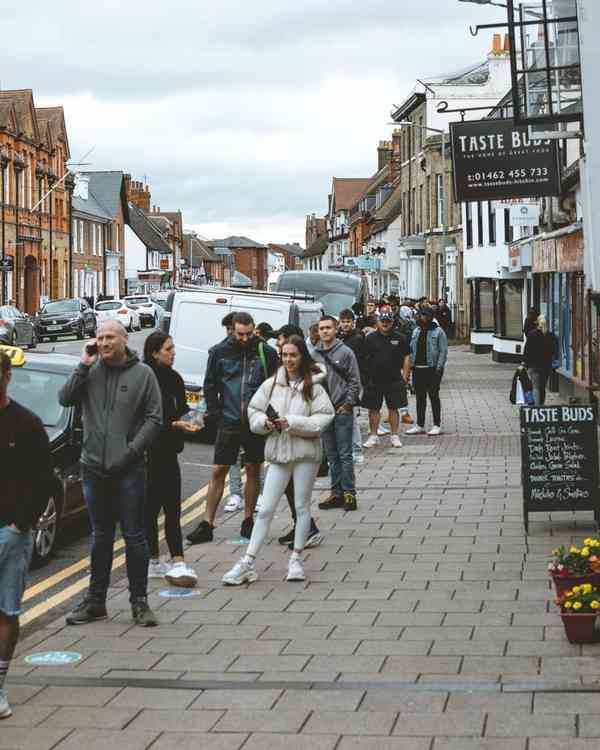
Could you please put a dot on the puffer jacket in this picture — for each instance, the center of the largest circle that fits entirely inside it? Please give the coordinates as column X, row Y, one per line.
column 302, row 440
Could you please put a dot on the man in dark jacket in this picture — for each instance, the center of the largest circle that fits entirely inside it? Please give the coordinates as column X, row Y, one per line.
column 25, row 486
column 122, row 414
column 235, row 370
column 355, row 340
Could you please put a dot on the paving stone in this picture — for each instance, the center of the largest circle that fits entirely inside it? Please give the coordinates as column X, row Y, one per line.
column 577, row 703
column 489, row 665
column 92, row 717
column 490, row 702
column 236, row 720
column 350, row 722
column 164, row 720
column 154, row 698
column 27, row 716
column 532, row 725
column 259, row 741
column 483, row 743
column 261, row 663
column 19, row 738
column 382, row 743
column 558, row 743
column 198, row 662
column 236, row 699
column 21, row 694
column 311, row 700
column 329, row 647
column 455, row 724
column 423, row 664
column 346, row 663
column 99, row 739
column 183, row 741
column 404, row 701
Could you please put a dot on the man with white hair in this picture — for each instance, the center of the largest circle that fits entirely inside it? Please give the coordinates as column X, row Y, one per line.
column 121, row 411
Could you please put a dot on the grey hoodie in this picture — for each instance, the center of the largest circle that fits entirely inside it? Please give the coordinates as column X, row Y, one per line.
column 342, row 390
column 121, row 412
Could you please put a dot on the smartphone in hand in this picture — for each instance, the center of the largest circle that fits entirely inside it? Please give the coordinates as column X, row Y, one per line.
column 273, row 416
column 91, row 349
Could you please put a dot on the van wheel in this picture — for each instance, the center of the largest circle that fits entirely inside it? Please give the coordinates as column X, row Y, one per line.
column 45, row 536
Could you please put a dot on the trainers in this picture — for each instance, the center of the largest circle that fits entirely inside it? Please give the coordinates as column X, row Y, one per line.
column 242, row 572
column 333, row 501
column 383, row 430
column 180, row 574
column 396, row 442
column 89, row 610
column 157, row 569
column 358, row 458
column 314, row 539
column 416, row 430
column 296, row 569
column 234, row 503
column 435, row 430
column 142, row 614
column 288, row 538
column 201, row 534
column 371, row 441
column 407, row 419
column 350, row 501
column 246, row 529
column 5, row 709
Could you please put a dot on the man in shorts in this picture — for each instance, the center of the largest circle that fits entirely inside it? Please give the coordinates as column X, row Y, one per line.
column 387, row 357
column 25, row 487
column 234, row 372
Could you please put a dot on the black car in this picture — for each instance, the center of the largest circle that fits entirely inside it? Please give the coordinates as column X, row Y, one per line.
column 65, row 317
column 35, row 382
column 16, row 328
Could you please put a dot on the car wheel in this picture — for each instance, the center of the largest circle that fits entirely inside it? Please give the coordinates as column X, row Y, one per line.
column 33, row 340
column 80, row 332
column 45, row 536
column 52, row 338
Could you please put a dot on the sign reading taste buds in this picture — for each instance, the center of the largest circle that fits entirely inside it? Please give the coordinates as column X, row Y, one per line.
column 494, row 159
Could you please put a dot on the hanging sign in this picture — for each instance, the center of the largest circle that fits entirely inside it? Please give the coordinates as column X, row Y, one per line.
column 559, row 459
column 525, row 214
column 493, row 159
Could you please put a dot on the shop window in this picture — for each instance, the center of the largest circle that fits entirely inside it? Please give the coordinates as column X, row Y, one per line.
column 492, row 222
column 578, row 338
column 469, row 220
column 508, row 229
column 511, row 309
column 486, row 305
column 479, row 224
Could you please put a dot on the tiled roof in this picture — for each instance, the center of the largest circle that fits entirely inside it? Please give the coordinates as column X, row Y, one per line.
column 199, row 249
column 236, row 242
column 22, row 100
column 381, row 178
column 347, row 190
column 318, row 247
column 291, row 249
column 147, row 231
column 106, row 188
column 53, row 119
column 90, row 207
column 8, row 115
column 478, row 73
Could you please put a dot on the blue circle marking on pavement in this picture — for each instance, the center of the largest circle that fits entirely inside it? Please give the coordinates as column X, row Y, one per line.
column 238, row 540
column 52, row 658
column 179, row 593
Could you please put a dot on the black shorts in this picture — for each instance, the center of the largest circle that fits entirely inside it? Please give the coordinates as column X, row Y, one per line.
column 230, row 438
column 394, row 394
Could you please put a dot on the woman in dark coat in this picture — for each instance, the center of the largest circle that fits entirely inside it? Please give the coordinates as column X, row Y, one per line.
column 540, row 349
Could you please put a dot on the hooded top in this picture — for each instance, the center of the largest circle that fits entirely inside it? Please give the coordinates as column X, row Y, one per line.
column 121, row 412
column 343, row 375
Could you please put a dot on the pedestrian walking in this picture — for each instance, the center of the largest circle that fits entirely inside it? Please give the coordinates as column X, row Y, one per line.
column 354, row 339
column 122, row 415
column 163, row 472
column 539, row 354
column 387, row 354
column 292, row 409
column 235, row 370
column 25, row 487
column 530, row 322
column 429, row 352
column 343, row 386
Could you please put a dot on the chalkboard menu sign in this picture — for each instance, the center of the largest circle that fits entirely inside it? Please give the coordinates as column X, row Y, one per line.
column 559, row 446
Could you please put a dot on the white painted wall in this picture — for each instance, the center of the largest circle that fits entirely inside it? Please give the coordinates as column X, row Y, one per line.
column 135, row 254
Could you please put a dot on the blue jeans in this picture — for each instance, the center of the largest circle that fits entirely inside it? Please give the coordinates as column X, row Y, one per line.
column 110, row 500
column 337, row 441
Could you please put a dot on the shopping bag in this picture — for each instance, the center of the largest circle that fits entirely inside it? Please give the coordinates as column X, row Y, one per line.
column 520, row 394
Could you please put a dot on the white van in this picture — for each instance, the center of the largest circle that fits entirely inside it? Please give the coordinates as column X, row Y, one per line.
column 195, row 324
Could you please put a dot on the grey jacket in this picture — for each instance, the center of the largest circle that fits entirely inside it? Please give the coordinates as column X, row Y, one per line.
column 437, row 346
column 342, row 390
column 121, row 412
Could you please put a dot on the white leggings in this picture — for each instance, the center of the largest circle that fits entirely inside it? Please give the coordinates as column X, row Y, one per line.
column 278, row 476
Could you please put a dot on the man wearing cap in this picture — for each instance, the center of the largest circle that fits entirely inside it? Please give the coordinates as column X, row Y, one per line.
column 429, row 352
column 387, row 359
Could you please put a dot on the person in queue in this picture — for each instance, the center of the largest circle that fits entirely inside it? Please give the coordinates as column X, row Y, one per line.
column 354, row 339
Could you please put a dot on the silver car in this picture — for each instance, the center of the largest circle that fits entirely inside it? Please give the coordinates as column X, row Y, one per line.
column 16, row 328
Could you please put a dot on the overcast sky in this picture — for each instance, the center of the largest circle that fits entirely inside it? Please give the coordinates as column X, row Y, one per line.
column 237, row 113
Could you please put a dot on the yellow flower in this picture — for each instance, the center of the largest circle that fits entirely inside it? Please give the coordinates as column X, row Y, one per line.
column 587, row 588
column 573, row 550
column 595, row 604
column 556, row 552
column 568, row 605
column 575, row 590
column 585, row 552
column 577, row 605
column 589, row 540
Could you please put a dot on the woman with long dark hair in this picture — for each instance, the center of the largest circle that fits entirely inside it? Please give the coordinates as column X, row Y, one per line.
column 164, row 476
column 292, row 408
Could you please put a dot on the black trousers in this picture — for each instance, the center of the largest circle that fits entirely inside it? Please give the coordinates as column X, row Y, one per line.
column 289, row 495
column 164, row 493
column 426, row 381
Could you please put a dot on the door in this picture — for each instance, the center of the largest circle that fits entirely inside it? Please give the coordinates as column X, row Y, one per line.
column 31, row 285
column 22, row 327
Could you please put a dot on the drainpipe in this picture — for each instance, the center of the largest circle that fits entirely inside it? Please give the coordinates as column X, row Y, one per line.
column 51, row 181
column 18, row 166
column 3, row 165
column 70, row 186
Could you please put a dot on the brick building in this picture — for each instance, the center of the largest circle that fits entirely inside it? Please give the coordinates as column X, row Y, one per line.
column 292, row 255
column 91, row 225
column 246, row 256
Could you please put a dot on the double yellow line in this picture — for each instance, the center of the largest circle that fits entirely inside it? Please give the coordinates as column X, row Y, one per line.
column 75, row 588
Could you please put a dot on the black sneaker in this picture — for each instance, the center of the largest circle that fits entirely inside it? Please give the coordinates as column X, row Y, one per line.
column 333, row 501
column 314, row 539
column 247, row 526
column 202, row 533
column 89, row 610
column 350, row 501
column 142, row 614
column 288, row 538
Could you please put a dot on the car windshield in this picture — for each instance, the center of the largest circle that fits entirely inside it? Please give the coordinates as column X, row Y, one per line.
column 62, row 306
column 161, row 302
column 137, row 300
column 335, row 294
column 38, row 391
column 108, row 305
column 6, row 312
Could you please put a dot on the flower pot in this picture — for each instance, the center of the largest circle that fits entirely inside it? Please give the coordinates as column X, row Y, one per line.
column 566, row 583
column 579, row 628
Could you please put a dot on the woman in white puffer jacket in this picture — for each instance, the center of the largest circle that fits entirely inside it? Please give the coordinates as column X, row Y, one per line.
column 292, row 409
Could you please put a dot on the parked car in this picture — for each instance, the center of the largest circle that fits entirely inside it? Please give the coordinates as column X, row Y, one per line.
column 148, row 310
column 65, row 317
column 16, row 328
column 35, row 382
column 118, row 309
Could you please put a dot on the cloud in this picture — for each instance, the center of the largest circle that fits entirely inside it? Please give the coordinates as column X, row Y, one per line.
column 238, row 114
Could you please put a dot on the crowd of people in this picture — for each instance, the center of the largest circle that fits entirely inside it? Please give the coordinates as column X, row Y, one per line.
column 295, row 404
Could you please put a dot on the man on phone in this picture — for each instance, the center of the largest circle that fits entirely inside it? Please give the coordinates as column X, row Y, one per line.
column 121, row 410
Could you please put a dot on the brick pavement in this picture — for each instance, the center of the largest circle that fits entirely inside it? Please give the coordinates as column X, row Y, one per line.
column 426, row 622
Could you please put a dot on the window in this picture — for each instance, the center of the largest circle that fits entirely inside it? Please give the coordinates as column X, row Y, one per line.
column 511, row 309
column 420, row 133
column 439, row 193
column 6, row 184
column 492, row 222
column 428, row 203
column 485, row 305
column 469, row 223
column 413, row 209
column 420, row 226
column 508, row 230
column 479, row 223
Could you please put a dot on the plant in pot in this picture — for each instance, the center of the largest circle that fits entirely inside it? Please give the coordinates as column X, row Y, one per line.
column 578, row 610
column 575, row 565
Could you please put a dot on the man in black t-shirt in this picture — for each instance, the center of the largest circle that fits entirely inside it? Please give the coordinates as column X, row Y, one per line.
column 387, row 358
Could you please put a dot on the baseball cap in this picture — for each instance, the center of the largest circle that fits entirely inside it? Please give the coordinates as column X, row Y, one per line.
column 427, row 311
column 386, row 317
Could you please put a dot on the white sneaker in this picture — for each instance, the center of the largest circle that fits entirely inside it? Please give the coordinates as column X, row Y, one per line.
column 296, row 569
column 416, row 430
column 234, row 503
column 435, row 430
column 180, row 574
column 242, row 572
column 5, row 709
column 396, row 442
column 371, row 441
column 359, row 458
column 383, row 430
column 157, row 569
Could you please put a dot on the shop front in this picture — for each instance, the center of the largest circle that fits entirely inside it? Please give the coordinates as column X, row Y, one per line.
column 482, row 321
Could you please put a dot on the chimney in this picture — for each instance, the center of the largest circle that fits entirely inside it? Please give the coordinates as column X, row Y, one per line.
column 82, row 184
column 384, row 154
column 497, row 44
column 506, row 44
column 139, row 195
column 395, row 156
